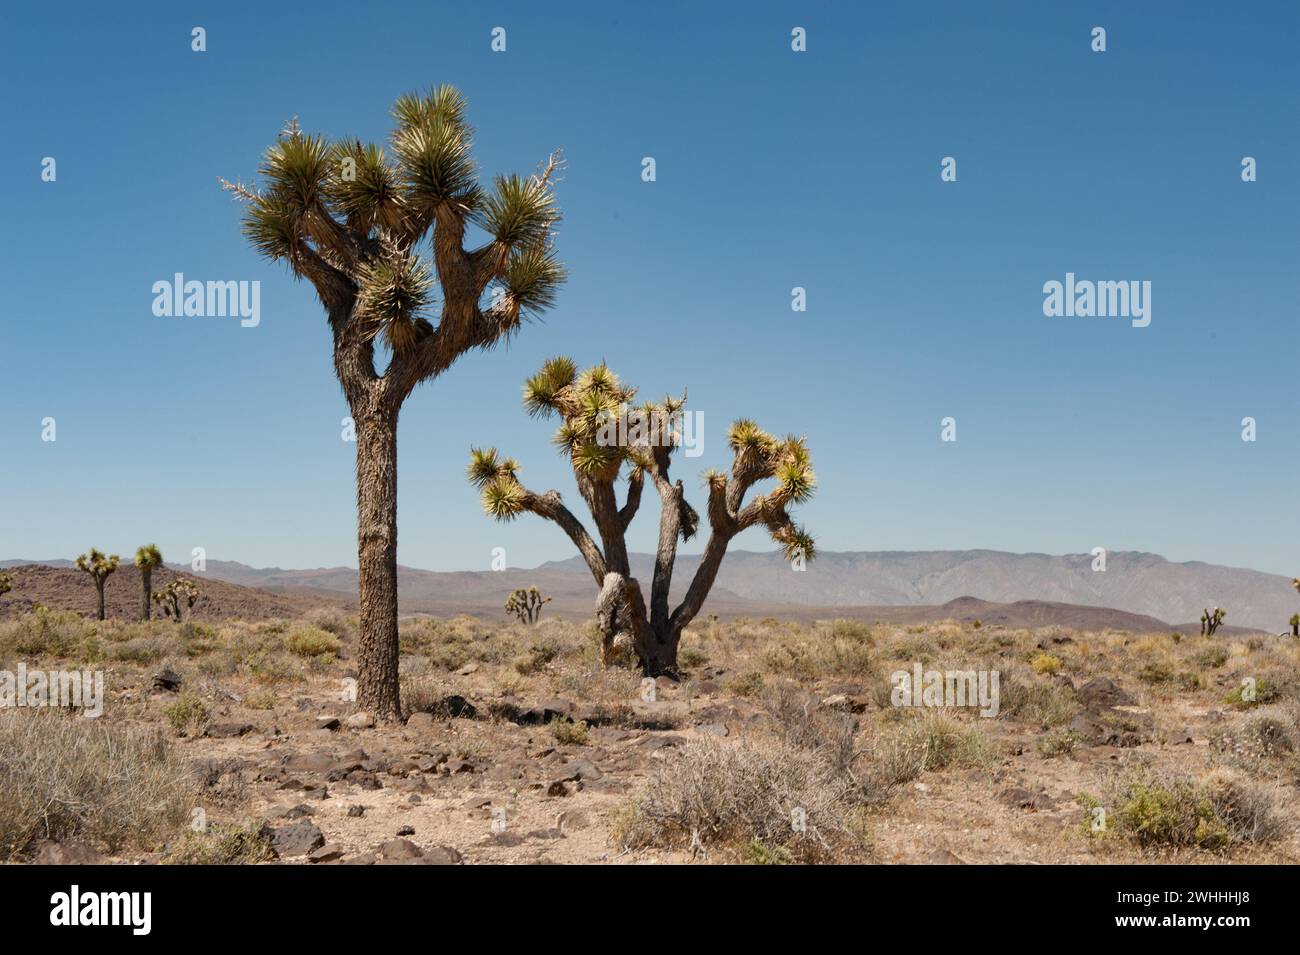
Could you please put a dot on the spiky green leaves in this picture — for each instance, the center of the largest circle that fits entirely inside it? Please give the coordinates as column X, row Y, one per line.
column 745, row 435
column 148, row 556
column 519, row 211
column 363, row 186
column 396, row 287
column 271, row 227
column 532, row 277
column 796, row 542
column 97, row 564
column 296, row 168
column 433, row 155
column 542, row 391
column 795, row 480
column 503, row 496
column 442, row 104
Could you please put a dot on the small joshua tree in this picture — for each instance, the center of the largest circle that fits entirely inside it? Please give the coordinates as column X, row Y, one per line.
column 100, row 568
column 1295, row 624
column 526, row 605
column 1210, row 621
column 147, row 558
column 170, row 598
column 6, row 583
column 602, row 435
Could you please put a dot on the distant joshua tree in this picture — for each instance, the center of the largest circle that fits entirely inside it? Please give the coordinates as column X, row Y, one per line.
column 600, row 433
column 526, row 605
column 100, row 568
column 170, row 598
column 6, row 583
column 350, row 218
column 1210, row 621
column 1295, row 617
column 147, row 558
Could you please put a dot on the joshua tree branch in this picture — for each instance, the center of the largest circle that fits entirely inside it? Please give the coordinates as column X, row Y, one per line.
column 550, row 506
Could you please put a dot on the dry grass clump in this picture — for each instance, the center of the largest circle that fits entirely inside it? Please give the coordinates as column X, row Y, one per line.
column 766, row 801
column 1041, row 702
column 311, row 641
column 221, row 844
column 64, row 776
column 925, row 741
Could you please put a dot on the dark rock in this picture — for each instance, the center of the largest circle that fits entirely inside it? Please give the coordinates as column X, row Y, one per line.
column 1102, row 693
column 398, row 849
column 229, row 730
column 296, row 839
column 167, row 680
column 326, row 853
column 356, row 811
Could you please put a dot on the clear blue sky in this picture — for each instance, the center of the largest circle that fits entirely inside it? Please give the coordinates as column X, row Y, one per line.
column 775, row 170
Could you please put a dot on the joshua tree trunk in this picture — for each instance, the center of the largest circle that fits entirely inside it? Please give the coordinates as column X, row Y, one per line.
column 377, row 563
column 99, row 590
column 146, row 575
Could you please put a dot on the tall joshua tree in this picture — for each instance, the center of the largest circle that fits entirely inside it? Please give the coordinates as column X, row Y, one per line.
column 147, row 558
column 100, row 567
column 349, row 217
column 602, row 434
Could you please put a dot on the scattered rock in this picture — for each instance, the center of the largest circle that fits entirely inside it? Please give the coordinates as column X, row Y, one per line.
column 1102, row 693
column 229, row 730
column 296, row 839
column 326, row 853
column 167, row 680
column 359, row 721
column 406, row 831
column 399, row 849
column 330, row 723
column 356, row 812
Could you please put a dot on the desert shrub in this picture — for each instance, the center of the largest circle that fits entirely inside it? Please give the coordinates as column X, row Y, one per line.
column 1264, row 691
column 801, row 721
column 1260, row 738
column 1042, row 703
column 1155, row 672
column 188, row 715
column 311, row 641
column 567, row 731
column 1058, row 743
column 538, row 655
column 1211, row 657
column 261, row 700
column 734, row 794
column 747, row 683
column 691, row 657
column 221, row 844
column 330, row 619
column 63, row 776
column 1177, row 812
column 140, row 650
column 1045, row 663
column 851, row 630
column 54, row 633
column 926, row 741
column 267, row 667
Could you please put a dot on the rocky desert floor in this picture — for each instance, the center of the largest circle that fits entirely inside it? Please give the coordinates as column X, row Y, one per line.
column 235, row 742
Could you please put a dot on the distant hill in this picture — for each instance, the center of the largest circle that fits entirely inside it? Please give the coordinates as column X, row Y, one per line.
column 65, row 588
column 853, row 583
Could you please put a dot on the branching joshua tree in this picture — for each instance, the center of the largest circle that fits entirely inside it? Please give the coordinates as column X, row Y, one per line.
column 100, row 567
column 349, row 217
column 526, row 605
column 179, row 591
column 602, row 434
column 1210, row 621
column 147, row 558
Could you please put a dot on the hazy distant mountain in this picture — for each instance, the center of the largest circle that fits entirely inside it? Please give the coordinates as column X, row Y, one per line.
column 757, row 583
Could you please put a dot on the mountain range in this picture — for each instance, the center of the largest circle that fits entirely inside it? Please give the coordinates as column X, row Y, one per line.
column 846, row 582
